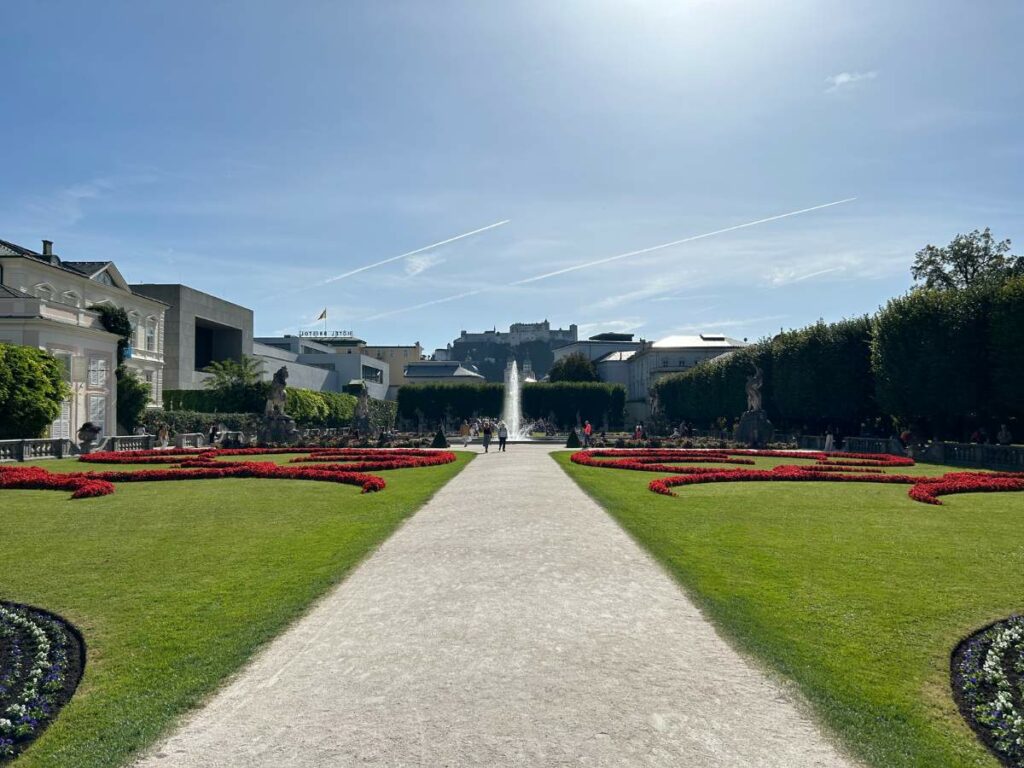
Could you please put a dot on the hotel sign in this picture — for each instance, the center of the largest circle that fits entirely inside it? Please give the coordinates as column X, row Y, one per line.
column 328, row 334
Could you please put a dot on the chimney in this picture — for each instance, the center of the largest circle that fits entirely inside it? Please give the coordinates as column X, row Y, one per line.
column 47, row 247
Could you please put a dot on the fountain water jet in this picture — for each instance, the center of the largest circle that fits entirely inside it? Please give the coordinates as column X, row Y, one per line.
column 512, row 412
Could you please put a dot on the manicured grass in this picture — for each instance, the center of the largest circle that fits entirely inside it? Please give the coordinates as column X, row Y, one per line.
column 854, row 591
column 175, row 584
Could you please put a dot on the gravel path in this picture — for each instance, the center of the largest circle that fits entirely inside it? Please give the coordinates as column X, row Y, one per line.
column 509, row 622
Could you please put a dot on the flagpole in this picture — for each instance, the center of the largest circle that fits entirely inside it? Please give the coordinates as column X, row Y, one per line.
column 325, row 321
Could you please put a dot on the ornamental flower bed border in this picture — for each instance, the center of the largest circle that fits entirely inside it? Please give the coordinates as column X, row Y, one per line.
column 200, row 465
column 30, row 700
column 989, row 688
column 828, row 467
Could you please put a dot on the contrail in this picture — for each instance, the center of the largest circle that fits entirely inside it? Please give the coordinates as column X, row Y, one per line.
column 412, row 253
column 546, row 275
column 608, row 259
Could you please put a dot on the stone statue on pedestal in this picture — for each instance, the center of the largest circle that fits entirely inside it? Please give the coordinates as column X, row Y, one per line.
column 278, row 426
column 754, row 428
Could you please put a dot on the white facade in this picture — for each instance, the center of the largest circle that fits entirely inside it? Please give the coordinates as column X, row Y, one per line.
column 673, row 354
column 45, row 305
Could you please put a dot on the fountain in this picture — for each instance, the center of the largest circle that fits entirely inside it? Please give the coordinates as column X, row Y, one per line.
column 512, row 412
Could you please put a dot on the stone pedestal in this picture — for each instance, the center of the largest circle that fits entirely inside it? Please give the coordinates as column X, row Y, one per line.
column 278, row 428
column 754, row 429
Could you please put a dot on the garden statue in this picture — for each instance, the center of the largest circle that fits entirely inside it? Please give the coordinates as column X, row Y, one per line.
column 754, row 428
column 278, row 426
column 754, row 384
column 278, row 394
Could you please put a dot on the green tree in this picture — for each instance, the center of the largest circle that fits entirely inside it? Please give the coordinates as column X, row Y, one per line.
column 574, row 367
column 968, row 261
column 237, row 385
column 225, row 374
column 32, row 389
column 132, row 398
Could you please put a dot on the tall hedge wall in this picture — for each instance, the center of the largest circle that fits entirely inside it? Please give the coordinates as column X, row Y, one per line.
column 715, row 389
column 942, row 361
column 821, row 376
column 570, row 401
column 454, row 402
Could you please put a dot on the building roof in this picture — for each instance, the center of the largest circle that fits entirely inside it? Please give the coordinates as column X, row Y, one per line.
column 612, row 337
column 13, row 249
column 703, row 341
column 6, row 292
column 435, row 369
column 616, row 357
column 87, row 268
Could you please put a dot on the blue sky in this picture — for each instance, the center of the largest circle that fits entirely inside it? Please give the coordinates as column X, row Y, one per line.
column 254, row 150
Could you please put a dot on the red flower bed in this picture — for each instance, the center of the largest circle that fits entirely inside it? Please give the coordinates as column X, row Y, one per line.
column 828, row 467
column 200, row 465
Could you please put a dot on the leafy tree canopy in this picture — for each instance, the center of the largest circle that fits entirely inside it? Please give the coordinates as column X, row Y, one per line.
column 968, row 261
column 31, row 391
column 574, row 367
column 226, row 374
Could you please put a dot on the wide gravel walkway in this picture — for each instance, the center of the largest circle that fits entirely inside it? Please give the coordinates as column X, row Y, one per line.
column 509, row 622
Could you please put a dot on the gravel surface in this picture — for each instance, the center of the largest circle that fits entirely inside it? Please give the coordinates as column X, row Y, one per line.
column 509, row 622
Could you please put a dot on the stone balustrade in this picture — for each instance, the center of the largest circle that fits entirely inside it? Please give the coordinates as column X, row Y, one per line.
column 32, row 450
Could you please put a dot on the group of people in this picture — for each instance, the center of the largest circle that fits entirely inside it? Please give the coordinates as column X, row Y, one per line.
column 1003, row 436
column 487, row 430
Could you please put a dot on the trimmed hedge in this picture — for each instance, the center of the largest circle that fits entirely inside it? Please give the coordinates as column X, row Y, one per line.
column 455, row 402
column 570, row 402
column 195, row 421
column 941, row 361
column 308, row 407
column 715, row 390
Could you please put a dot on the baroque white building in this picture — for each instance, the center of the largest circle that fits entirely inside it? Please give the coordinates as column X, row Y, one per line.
column 44, row 303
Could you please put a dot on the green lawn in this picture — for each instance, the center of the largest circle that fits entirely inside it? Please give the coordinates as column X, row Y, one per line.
column 853, row 591
column 175, row 584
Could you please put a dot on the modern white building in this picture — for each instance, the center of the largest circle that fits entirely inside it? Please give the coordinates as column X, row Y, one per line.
column 324, row 364
column 441, row 372
column 44, row 303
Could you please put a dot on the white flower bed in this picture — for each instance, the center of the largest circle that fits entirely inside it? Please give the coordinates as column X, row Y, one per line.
column 33, row 674
column 989, row 675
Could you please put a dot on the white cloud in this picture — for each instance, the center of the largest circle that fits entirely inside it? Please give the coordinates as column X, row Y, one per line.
column 847, row 80
column 785, row 276
column 414, row 265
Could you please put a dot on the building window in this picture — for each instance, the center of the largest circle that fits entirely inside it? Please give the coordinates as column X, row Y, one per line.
column 44, row 291
column 104, row 279
column 151, row 335
column 97, row 372
column 72, row 298
column 98, row 410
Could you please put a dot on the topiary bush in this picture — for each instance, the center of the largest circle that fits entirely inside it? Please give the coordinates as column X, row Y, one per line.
column 574, row 440
column 440, row 441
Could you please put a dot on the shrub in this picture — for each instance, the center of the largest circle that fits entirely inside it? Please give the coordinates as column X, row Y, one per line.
column 574, row 440
column 32, row 389
column 439, row 441
column 195, row 421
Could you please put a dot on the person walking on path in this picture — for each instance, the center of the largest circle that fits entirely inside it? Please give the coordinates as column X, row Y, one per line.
column 502, row 436
column 464, row 431
column 587, row 432
column 487, row 432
